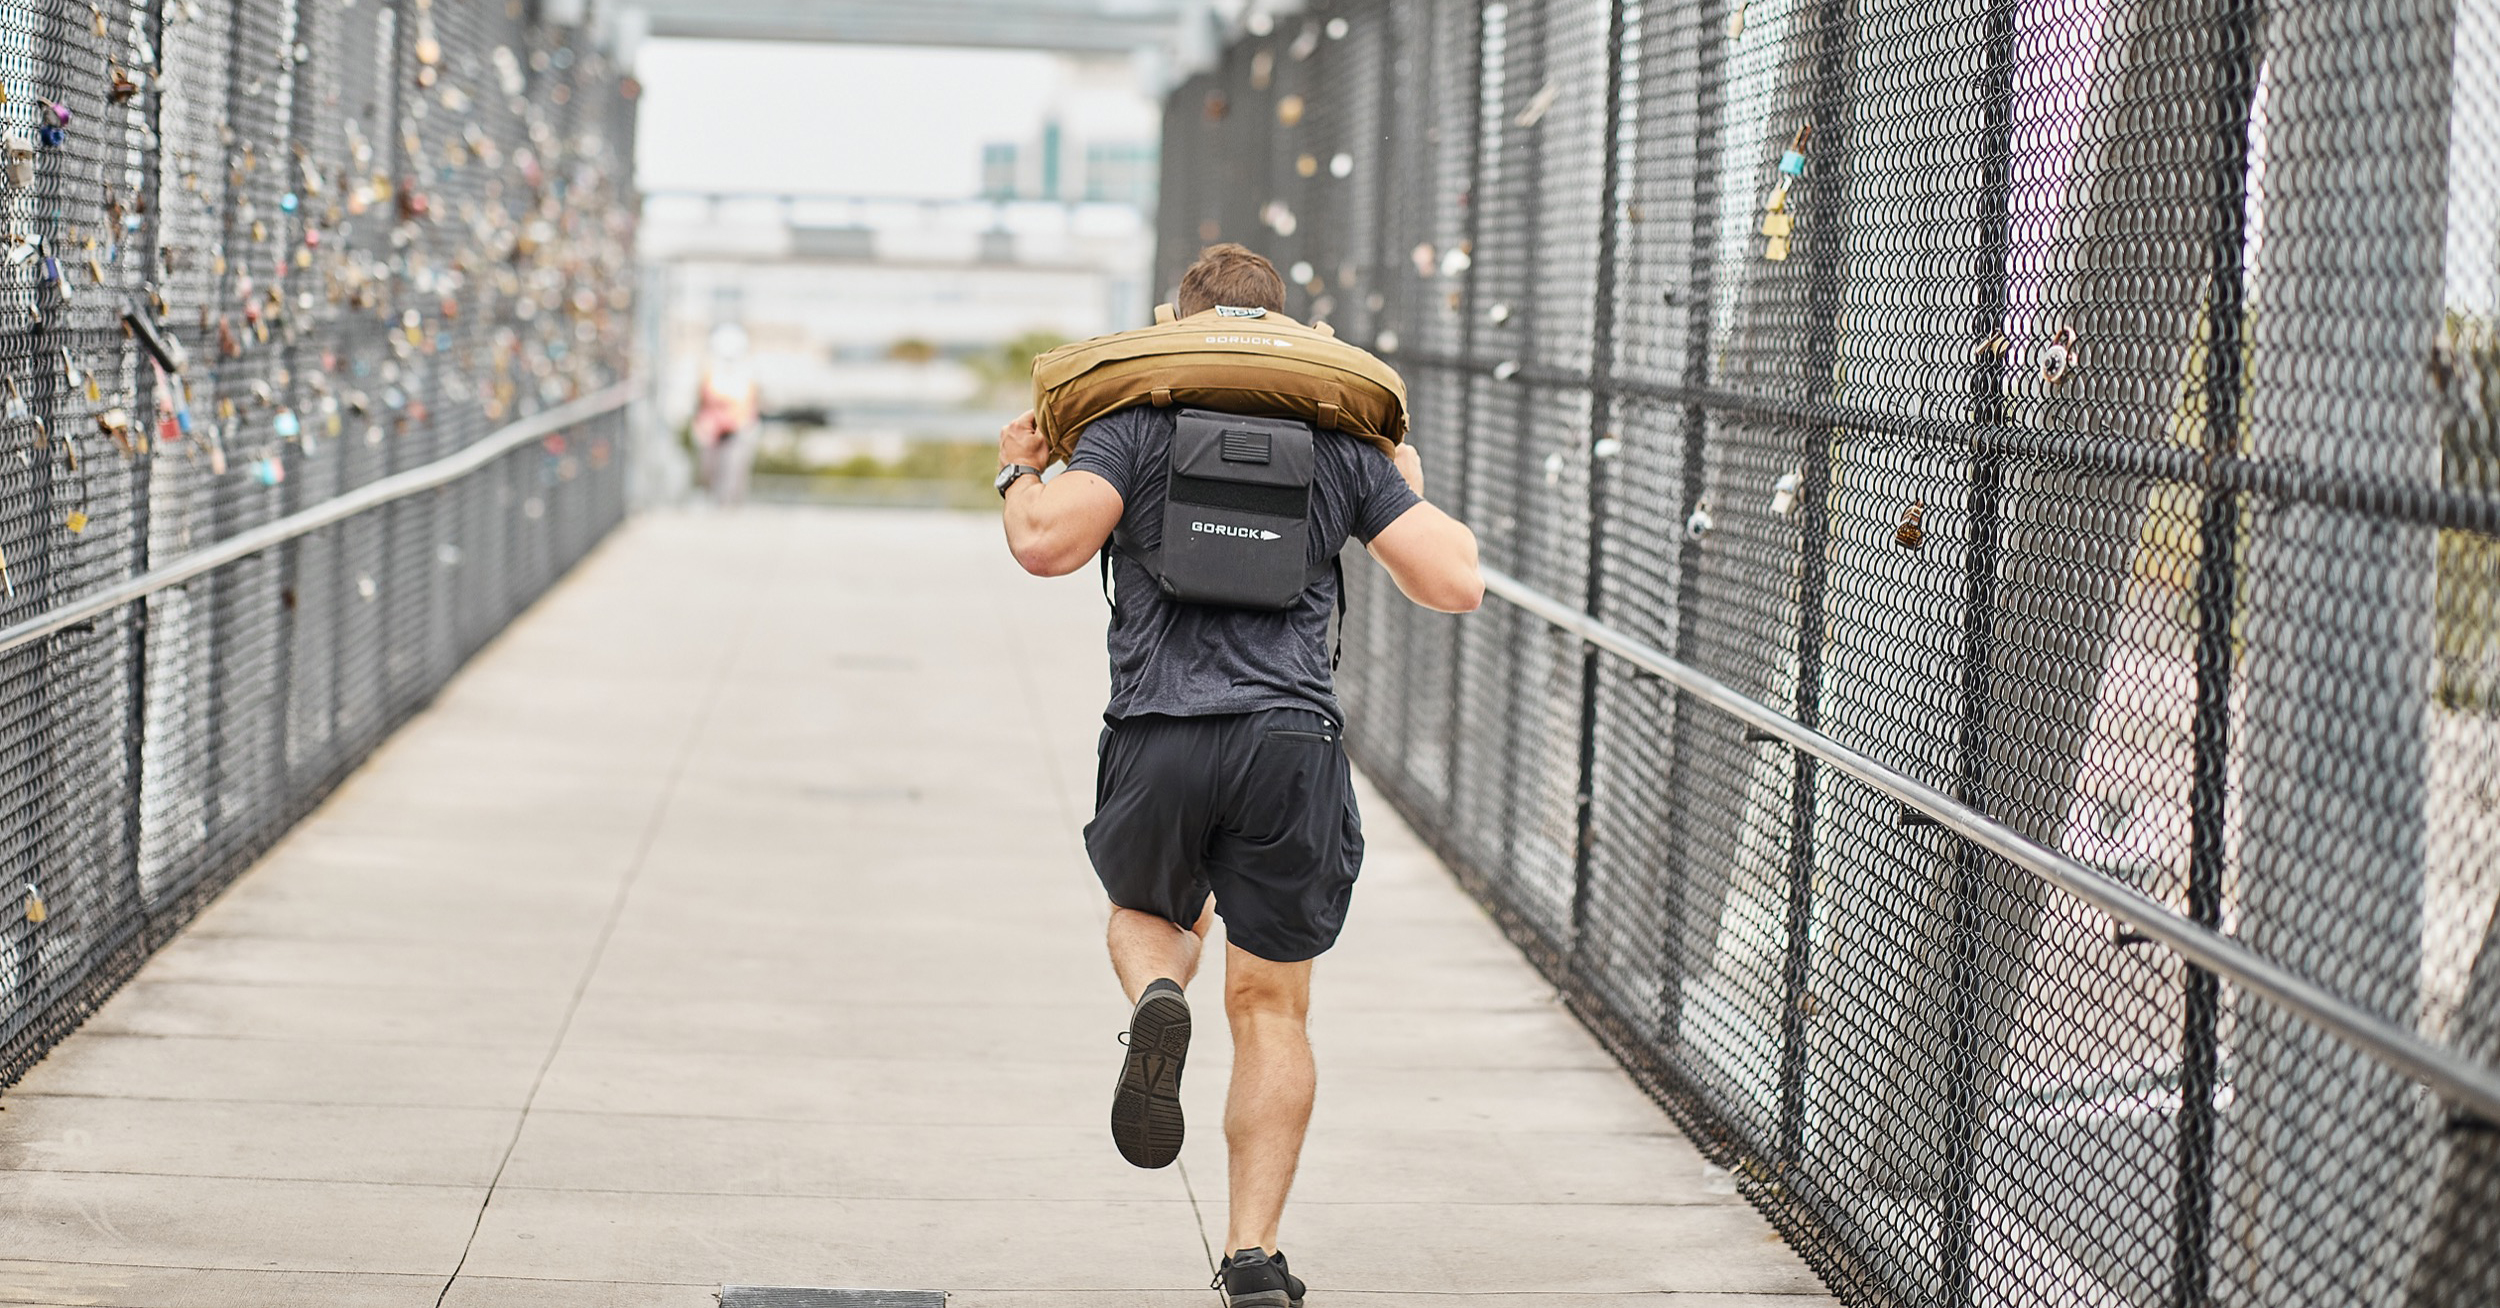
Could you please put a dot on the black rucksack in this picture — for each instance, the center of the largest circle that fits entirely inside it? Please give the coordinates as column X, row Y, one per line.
column 1236, row 515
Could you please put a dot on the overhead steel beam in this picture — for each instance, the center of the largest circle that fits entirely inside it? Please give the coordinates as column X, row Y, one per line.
column 1109, row 26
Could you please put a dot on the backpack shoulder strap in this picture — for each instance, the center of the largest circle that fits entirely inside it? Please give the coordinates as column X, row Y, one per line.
column 1146, row 559
column 1336, row 623
column 1150, row 560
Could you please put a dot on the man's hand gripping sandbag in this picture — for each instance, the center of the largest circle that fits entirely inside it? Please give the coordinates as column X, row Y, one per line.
column 1251, row 362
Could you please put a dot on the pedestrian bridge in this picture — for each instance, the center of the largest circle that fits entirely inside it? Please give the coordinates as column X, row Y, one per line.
column 726, row 921
column 1975, row 785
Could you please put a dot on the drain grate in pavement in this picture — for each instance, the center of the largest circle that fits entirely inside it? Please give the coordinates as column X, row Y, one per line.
column 794, row 1296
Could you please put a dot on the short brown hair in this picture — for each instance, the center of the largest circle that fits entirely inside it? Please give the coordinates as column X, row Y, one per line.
column 1233, row 275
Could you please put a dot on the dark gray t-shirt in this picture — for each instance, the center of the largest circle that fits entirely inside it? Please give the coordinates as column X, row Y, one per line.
column 1197, row 660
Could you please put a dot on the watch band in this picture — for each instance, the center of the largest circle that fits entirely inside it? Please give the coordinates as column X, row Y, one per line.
column 1011, row 474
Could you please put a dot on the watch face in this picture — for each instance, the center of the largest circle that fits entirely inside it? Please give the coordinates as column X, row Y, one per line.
column 1007, row 477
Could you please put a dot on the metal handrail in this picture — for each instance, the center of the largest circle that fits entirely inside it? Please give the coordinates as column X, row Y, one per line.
column 2468, row 1083
column 397, row 486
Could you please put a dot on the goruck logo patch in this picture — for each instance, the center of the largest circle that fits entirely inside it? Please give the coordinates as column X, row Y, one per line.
column 1220, row 529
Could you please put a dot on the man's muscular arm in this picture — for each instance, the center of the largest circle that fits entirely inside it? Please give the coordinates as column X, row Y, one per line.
column 1429, row 554
column 1053, row 529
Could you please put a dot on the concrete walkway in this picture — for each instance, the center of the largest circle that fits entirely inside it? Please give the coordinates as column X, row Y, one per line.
column 727, row 922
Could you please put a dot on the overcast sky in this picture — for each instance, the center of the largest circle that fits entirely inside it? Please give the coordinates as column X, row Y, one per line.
column 856, row 120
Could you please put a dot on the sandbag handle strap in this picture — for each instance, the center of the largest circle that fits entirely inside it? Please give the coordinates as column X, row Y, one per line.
column 1328, row 417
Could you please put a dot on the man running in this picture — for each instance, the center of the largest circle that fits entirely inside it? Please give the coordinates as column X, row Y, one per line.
column 1223, row 787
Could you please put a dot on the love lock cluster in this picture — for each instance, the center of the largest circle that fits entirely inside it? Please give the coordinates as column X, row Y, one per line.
column 358, row 280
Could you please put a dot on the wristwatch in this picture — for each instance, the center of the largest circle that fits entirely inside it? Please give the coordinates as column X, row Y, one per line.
column 1009, row 475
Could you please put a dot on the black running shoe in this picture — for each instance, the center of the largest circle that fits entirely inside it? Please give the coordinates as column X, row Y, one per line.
column 1146, row 1109
column 1252, row 1278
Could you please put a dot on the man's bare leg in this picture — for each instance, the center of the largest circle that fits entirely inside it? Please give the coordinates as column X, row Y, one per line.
column 1145, row 946
column 1152, row 957
column 1269, row 1106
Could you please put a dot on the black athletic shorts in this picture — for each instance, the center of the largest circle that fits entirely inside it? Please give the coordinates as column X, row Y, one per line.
column 1257, row 807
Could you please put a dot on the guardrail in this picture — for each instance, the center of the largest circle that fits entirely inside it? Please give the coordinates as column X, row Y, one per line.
column 363, row 499
column 2470, row 1085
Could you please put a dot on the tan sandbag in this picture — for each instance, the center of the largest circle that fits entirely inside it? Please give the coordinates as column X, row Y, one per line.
column 1269, row 366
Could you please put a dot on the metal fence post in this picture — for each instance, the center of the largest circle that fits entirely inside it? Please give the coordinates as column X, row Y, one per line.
column 1965, row 1103
column 1601, row 418
column 2217, row 604
column 1383, row 18
column 1523, row 417
column 1828, row 217
column 135, row 718
column 55, row 400
column 1700, row 292
column 216, row 811
column 293, row 619
column 1464, row 506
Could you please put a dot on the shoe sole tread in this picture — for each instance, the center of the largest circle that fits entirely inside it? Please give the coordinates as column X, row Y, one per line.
column 1146, row 1108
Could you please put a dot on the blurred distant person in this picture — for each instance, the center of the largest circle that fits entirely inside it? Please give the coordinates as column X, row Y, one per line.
column 725, row 413
column 1224, row 788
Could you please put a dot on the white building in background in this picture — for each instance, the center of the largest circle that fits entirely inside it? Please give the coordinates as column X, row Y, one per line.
column 886, row 322
column 875, row 322
column 1097, row 144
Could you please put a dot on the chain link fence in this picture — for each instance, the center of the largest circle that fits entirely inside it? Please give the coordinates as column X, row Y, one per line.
column 257, row 256
column 2083, row 411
